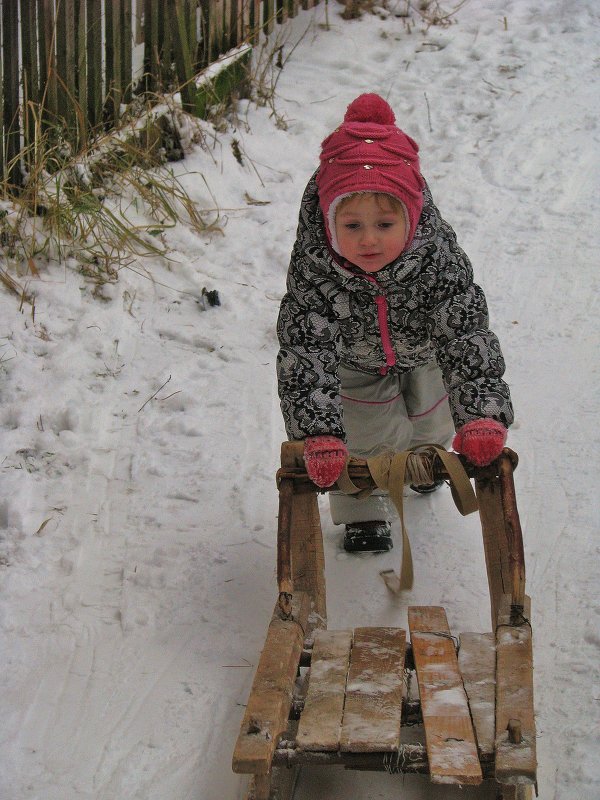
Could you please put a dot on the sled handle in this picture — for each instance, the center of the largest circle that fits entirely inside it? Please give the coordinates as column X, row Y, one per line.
column 514, row 535
column 294, row 479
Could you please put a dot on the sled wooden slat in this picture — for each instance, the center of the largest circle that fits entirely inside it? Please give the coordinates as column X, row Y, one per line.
column 495, row 543
column 307, row 555
column 515, row 760
column 372, row 713
column 321, row 721
column 523, row 792
column 477, row 662
column 267, row 712
column 449, row 736
column 280, row 783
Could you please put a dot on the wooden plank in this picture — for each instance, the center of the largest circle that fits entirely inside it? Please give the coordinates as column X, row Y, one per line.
column 3, row 164
column 94, row 62
column 126, row 49
column 282, row 11
column 112, row 70
column 165, row 46
column 183, row 60
column 30, row 73
column 243, row 21
column 495, row 543
column 255, row 20
column 373, row 707
column 47, row 60
column 192, row 24
column 477, row 662
column 514, row 534
column 321, row 721
column 10, row 92
column 217, row 29
column 66, row 63
column 82, row 69
column 515, row 792
column 449, row 735
column 152, row 46
column 268, row 708
column 308, row 558
column 279, row 784
column 269, row 12
column 515, row 761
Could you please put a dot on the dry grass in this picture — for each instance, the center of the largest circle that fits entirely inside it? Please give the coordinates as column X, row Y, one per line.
column 104, row 207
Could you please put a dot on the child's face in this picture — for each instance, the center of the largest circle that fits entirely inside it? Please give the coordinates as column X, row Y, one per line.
column 370, row 231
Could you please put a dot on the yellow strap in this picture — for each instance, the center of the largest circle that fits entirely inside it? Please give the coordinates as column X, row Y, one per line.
column 389, row 473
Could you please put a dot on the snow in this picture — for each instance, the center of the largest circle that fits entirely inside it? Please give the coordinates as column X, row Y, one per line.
column 140, row 426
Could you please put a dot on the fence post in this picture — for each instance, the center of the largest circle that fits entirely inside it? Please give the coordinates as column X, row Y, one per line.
column 94, row 63
column 82, row 68
column 30, row 71
column 183, row 61
column 2, row 153
column 126, row 49
column 282, row 11
column 255, row 20
column 269, row 13
column 152, row 46
column 112, row 49
column 216, row 15
column 191, row 7
column 66, row 64
column 47, row 62
column 10, row 105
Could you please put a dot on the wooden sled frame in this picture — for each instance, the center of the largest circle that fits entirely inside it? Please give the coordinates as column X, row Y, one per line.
column 340, row 697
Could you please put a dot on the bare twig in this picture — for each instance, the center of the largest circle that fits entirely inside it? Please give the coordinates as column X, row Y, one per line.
column 154, row 395
column 428, row 113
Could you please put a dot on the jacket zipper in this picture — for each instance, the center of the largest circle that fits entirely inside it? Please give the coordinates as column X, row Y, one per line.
column 384, row 330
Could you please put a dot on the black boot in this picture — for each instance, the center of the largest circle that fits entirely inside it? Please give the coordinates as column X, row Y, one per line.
column 427, row 488
column 374, row 536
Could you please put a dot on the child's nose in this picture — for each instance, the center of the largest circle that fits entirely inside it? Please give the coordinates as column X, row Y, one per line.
column 368, row 235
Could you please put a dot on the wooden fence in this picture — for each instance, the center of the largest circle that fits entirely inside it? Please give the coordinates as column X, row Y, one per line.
column 67, row 66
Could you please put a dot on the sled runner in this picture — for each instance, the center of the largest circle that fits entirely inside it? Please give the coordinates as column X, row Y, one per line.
column 347, row 697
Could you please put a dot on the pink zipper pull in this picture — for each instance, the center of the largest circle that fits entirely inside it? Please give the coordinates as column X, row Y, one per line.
column 390, row 356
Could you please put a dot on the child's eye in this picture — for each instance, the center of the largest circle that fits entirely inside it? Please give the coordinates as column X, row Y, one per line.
column 386, row 225
column 352, row 226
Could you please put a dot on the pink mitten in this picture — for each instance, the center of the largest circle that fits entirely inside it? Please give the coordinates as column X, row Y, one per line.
column 480, row 440
column 325, row 457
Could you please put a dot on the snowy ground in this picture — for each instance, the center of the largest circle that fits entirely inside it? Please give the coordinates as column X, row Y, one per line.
column 137, row 535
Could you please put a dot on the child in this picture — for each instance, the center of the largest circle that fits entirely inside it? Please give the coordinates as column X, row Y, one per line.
column 384, row 336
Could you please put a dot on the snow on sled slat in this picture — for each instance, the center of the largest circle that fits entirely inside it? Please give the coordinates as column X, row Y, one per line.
column 449, row 735
column 268, row 708
column 477, row 662
column 321, row 721
column 515, row 722
column 373, row 708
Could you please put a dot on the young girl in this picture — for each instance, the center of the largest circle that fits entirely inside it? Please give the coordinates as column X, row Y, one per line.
column 384, row 335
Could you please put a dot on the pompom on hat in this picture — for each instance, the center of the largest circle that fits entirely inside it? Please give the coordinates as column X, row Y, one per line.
column 369, row 153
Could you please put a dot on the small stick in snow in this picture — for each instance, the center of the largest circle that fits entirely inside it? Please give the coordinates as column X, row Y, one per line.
column 428, row 113
column 154, row 395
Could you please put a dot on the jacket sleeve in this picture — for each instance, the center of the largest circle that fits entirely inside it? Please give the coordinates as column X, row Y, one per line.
column 467, row 351
column 308, row 358
column 307, row 362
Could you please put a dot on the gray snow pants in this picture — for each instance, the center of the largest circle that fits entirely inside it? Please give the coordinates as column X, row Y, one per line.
column 391, row 412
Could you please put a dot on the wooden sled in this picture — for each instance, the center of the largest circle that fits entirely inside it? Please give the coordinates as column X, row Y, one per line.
column 323, row 697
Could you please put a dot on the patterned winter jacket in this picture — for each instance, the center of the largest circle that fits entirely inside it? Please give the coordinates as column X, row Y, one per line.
column 422, row 306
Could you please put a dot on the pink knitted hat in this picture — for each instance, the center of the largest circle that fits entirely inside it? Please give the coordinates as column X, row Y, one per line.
column 368, row 153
